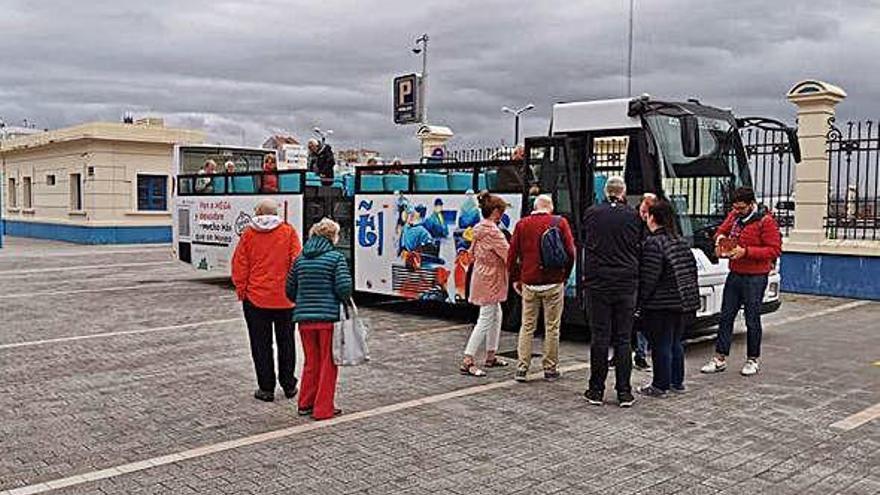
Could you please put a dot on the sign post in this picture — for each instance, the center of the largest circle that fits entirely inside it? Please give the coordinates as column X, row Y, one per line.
column 408, row 99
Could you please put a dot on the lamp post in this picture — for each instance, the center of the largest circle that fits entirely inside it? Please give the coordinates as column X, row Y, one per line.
column 422, row 47
column 516, row 114
column 323, row 133
column 629, row 59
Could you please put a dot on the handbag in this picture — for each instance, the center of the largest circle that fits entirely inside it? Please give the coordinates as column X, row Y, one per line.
column 350, row 337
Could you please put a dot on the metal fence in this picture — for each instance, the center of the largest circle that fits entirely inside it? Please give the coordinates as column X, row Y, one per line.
column 773, row 172
column 479, row 154
column 853, row 184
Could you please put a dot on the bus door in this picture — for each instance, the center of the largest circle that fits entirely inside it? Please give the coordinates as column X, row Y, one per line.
column 330, row 202
column 562, row 167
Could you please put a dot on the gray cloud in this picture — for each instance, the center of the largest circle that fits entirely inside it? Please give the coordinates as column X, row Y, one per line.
column 245, row 69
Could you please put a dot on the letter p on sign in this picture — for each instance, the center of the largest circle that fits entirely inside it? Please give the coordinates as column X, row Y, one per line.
column 404, row 91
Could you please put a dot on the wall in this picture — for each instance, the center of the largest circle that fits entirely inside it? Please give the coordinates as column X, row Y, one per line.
column 831, row 274
column 109, row 212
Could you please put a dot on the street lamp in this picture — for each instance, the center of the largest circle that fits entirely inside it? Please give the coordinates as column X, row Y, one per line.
column 323, row 133
column 516, row 114
column 422, row 47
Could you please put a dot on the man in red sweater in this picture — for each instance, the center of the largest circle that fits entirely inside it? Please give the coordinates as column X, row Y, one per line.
column 750, row 238
column 539, row 286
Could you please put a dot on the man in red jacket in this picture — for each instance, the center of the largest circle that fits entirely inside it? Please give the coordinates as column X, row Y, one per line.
column 750, row 238
column 539, row 286
column 263, row 257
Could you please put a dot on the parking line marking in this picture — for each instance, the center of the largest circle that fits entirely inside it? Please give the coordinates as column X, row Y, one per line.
column 858, row 419
column 817, row 314
column 32, row 343
column 4, row 273
column 89, row 291
column 205, row 450
column 158, row 249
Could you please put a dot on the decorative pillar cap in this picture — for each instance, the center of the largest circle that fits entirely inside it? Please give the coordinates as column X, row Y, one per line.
column 815, row 91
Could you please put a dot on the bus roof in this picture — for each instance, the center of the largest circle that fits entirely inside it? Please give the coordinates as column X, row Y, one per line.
column 593, row 116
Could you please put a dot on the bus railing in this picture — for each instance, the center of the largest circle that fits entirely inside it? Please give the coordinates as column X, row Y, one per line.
column 242, row 183
column 502, row 176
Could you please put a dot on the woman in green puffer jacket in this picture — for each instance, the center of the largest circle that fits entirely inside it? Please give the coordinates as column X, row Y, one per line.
column 318, row 282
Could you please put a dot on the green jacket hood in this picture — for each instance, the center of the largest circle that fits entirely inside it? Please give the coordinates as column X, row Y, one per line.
column 316, row 246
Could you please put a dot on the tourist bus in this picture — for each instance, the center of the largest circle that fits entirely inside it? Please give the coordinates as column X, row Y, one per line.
column 211, row 210
column 406, row 232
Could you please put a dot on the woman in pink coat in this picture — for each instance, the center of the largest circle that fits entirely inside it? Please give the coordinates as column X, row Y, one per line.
column 488, row 284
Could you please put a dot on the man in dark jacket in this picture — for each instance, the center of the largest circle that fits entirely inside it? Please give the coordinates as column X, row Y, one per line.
column 750, row 238
column 613, row 239
column 515, row 174
column 321, row 161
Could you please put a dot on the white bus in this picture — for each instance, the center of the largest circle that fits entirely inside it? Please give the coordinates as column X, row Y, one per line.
column 211, row 210
column 406, row 231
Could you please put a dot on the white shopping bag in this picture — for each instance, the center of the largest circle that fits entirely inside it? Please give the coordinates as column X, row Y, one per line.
column 350, row 337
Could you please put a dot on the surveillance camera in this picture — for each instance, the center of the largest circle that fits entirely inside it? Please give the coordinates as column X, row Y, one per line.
column 417, row 50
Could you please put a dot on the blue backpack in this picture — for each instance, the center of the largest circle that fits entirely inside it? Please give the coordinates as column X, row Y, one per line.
column 553, row 254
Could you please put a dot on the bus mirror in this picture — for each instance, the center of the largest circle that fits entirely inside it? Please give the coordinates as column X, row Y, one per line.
column 794, row 144
column 690, row 136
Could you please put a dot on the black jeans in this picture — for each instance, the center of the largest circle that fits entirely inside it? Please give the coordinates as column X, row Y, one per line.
column 747, row 292
column 611, row 322
column 664, row 329
column 260, row 322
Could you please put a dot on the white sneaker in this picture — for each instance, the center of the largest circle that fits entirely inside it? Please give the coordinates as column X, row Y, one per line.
column 750, row 368
column 714, row 365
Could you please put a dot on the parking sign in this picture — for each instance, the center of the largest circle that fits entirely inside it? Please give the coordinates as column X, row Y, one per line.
column 407, row 101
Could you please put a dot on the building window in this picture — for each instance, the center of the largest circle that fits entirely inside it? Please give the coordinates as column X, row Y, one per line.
column 12, row 194
column 76, row 199
column 50, row 180
column 27, row 193
column 152, row 192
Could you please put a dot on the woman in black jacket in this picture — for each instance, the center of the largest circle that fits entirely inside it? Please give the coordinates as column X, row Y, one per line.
column 668, row 296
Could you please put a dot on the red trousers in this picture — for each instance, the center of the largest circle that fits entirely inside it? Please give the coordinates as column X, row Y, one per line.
column 317, row 387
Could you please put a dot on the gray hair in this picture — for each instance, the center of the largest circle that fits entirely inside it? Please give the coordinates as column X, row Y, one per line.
column 326, row 228
column 544, row 202
column 312, row 141
column 615, row 187
column 267, row 207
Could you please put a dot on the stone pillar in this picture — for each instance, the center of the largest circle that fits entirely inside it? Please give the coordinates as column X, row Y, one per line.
column 433, row 137
column 815, row 101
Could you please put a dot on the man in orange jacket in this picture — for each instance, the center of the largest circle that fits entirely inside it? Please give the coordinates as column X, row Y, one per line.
column 263, row 257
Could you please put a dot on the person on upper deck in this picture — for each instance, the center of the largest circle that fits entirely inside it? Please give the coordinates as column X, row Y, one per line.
column 321, row 160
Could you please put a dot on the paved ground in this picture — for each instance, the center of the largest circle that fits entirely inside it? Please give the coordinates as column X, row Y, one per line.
column 120, row 367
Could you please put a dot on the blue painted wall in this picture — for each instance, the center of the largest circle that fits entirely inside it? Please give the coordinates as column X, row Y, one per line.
column 89, row 235
column 831, row 275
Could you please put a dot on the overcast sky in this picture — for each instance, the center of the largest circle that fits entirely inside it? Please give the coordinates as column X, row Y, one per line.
column 245, row 69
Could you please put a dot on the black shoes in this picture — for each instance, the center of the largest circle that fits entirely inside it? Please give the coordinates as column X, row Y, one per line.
column 551, row 375
column 625, row 399
column 264, row 395
column 641, row 364
column 304, row 412
column 594, row 397
column 290, row 393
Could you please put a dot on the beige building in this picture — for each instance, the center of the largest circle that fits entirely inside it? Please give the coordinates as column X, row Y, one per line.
column 93, row 183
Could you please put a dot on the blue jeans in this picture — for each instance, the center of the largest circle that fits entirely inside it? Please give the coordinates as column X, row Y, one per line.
column 664, row 329
column 742, row 291
column 641, row 341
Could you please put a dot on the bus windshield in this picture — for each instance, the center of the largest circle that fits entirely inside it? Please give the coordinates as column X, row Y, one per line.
column 700, row 187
